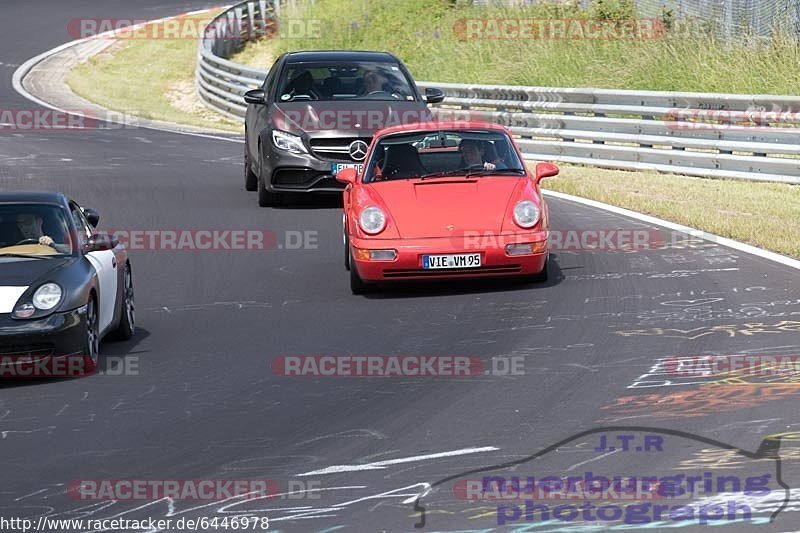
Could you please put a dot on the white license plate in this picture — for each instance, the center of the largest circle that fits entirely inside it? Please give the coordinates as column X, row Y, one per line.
column 451, row 261
column 338, row 167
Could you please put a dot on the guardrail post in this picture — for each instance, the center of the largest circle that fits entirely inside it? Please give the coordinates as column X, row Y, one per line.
column 262, row 4
column 251, row 25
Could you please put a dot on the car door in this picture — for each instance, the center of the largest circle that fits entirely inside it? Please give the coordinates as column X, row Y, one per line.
column 106, row 264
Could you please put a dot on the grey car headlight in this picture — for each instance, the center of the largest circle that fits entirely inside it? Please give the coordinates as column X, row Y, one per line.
column 47, row 296
column 288, row 142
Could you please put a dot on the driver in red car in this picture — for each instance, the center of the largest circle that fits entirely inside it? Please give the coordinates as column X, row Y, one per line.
column 473, row 154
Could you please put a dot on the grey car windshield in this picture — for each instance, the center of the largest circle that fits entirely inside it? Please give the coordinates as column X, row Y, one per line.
column 443, row 153
column 352, row 80
column 33, row 229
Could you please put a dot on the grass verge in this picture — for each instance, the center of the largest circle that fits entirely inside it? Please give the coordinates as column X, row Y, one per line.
column 150, row 78
column 432, row 38
column 766, row 215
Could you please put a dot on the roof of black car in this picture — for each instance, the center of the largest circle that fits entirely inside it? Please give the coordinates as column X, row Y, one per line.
column 338, row 55
column 36, row 197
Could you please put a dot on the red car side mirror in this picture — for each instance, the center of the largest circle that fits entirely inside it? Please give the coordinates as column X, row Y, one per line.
column 347, row 175
column 545, row 170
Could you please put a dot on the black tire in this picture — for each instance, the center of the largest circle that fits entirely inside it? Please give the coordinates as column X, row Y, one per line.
column 265, row 197
column 541, row 277
column 127, row 321
column 91, row 341
column 357, row 285
column 250, row 178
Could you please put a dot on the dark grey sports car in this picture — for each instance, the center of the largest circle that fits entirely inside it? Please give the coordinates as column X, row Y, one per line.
column 316, row 114
column 63, row 286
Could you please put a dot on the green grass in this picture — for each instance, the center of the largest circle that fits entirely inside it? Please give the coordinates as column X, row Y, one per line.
column 766, row 215
column 421, row 33
column 150, row 78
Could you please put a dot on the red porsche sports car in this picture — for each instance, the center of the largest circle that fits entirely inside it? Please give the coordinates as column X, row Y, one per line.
column 444, row 200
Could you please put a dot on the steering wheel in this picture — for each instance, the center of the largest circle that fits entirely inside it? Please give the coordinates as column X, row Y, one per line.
column 377, row 95
column 27, row 241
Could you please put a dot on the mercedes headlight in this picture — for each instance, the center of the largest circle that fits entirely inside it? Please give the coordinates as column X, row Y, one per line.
column 288, row 142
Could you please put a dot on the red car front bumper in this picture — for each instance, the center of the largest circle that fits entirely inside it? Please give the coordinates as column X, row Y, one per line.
column 408, row 265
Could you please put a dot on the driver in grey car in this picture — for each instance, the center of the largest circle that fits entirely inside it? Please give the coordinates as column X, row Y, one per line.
column 373, row 82
column 30, row 226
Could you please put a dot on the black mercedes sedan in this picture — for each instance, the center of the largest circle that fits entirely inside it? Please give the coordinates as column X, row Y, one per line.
column 316, row 113
column 63, row 286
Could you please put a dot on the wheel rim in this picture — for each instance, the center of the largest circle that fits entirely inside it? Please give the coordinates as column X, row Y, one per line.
column 130, row 307
column 92, row 338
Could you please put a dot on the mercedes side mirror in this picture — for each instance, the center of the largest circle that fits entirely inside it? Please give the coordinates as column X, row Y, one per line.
column 434, row 96
column 256, row 96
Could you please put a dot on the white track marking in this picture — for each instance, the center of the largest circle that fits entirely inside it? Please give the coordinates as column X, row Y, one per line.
column 722, row 241
column 383, row 464
column 22, row 71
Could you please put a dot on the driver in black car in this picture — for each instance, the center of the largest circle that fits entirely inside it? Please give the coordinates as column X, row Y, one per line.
column 30, row 226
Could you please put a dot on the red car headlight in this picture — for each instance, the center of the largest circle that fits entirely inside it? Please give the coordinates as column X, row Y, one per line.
column 526, row 214
column 372, row 220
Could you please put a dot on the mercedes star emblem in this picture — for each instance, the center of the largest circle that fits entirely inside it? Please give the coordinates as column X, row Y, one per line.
column 358, row 150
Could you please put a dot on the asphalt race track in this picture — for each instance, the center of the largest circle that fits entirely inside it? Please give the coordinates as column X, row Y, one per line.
column 205, row 403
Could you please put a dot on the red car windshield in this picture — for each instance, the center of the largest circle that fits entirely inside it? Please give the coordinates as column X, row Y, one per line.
column 443, row 153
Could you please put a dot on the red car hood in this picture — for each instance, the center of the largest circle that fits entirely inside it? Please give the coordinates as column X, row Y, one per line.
column 424, row 209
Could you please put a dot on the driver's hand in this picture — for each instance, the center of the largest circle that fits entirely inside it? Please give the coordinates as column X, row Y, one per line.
column 44, row 240
column 489, row 166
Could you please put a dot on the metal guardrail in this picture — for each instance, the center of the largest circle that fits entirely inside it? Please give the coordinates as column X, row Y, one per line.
column 754, row 137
